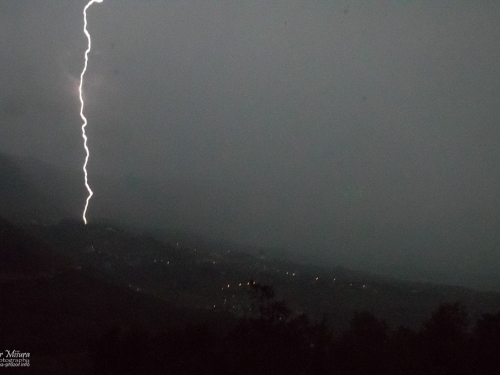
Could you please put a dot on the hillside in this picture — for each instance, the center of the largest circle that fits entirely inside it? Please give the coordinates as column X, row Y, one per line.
column 215, row 278
column 100, row 299
column 199, row 212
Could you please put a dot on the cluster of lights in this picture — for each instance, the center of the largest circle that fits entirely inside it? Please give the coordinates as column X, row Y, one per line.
column 253, row 283
column 240, row 284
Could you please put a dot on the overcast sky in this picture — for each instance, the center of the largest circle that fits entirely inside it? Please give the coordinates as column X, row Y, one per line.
column 365, row 131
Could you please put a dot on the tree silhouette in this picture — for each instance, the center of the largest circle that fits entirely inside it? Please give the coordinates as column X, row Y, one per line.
column 444, row 340
column 364, row 348
column 486, row 341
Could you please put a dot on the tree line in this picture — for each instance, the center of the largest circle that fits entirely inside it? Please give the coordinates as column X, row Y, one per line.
column 274, row 341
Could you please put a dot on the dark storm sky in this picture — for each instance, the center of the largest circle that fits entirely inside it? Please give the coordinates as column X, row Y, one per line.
column 362, row 131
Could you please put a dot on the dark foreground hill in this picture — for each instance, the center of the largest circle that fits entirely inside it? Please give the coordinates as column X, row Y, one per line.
column 55, row 311
column 98, row 299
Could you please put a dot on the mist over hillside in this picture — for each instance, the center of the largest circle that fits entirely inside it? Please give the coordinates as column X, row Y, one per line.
column 33, row 190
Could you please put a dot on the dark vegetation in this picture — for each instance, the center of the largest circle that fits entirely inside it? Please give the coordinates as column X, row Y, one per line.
column 96, row 299
column 274, row 342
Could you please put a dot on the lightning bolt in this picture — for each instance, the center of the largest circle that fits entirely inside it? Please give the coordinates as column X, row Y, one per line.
column 82, row 104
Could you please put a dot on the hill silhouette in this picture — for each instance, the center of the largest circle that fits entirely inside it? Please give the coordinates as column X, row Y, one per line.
column 100, row 299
